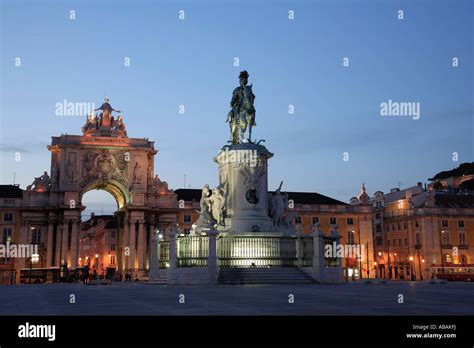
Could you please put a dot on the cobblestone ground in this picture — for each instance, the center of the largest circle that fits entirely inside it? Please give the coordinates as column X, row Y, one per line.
column 419, row 298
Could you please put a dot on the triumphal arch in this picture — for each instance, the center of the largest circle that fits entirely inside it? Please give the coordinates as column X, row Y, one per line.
column 103, row 158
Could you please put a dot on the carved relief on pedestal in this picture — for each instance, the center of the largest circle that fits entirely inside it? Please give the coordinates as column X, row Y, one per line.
column 252, row 176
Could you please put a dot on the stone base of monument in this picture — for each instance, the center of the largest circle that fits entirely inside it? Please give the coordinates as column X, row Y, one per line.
column 243, row 178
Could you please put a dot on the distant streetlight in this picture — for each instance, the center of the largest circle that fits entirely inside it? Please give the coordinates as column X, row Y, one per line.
column 34, row 259
column 411, row 268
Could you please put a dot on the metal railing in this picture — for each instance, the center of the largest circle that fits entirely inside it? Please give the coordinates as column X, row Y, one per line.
column 262, row 251
column 307, row 251
column 192, row 251
column 164, row 257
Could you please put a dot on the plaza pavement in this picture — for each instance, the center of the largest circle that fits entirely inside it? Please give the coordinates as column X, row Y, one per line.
column 420, row 298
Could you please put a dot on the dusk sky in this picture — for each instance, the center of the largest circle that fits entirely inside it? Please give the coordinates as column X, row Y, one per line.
column 296, row 62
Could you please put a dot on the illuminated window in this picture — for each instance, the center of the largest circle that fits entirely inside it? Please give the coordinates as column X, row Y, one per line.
column 8, row 217
column 447, row 258
column 112, row 260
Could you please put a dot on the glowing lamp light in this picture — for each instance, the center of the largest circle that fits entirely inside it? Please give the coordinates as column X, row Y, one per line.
column 96, row 256
column 380, row 254
column 375, row 263
column 423, row 260
column 395, row 254
column 80, row 259
column 87, row 257
column 110, row 255
column 34, row 258
column 411, row 258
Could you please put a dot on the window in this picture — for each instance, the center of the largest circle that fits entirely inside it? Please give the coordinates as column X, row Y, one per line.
column 350, row 221
column 187, row 218
column 444, row 223
column 399, row 226
column 462, row 238
column 377, row 216
column 463, row 260
column 461, row 223
column 447, row 258
column 378, row 240
column 315, row 220
column 36, row 236
column 399, row 242
column 7, row 235
column 405, row 225
column 378, row 228
column 445, row 238
column 332, row 220
column 388, row 242
column 406, row 241
column 112, row 247
column 418, row 239
column 187, row 231
column 112, row 259
column 8, row 217
column 394, row 242
column 388, row 228
column 113, row 234
column 417, row 224
column 393, row 227
column 350, row 237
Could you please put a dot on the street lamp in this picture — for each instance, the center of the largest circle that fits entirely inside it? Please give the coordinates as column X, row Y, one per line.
column 441, row 251
column 411, row 268
column 34, row 259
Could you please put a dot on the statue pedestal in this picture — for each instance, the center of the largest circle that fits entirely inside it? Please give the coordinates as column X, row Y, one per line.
column 243, row 176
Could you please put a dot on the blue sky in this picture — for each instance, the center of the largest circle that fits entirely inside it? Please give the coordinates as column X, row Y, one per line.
column 299, row 62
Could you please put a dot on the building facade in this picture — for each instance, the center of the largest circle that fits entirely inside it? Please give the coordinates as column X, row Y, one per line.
column 420, row 233
column 10, row 222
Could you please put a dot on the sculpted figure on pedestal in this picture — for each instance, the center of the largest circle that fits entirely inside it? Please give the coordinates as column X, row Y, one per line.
column 277, row 203
column 40, row 184
column 242, row 115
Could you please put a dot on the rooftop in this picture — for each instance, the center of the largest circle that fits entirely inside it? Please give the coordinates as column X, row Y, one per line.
column 10, row 191
column 297, row 197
